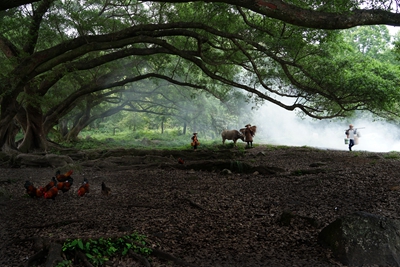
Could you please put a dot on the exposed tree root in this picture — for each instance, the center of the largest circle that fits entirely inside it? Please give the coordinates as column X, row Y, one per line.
column 166, row 256
column 56, row 224
column 45, row 250
column 140, row 258
column 39, row 243
column 54, row 255
column 80, row 255
column 36, row 257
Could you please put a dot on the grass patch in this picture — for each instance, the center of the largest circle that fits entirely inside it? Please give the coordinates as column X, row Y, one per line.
column 392, row 155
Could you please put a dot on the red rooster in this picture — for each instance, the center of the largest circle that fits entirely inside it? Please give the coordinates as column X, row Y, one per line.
column 65, row 186
column 84, row 188
column 63, row 177
column 51, row 184
column 181, row 161
column 51, row 193
column 32, row 191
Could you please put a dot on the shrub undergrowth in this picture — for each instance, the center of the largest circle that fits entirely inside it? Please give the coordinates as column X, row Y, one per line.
column 99, row 251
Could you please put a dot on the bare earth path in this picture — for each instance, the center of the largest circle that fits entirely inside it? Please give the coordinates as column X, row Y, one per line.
column 197, row 213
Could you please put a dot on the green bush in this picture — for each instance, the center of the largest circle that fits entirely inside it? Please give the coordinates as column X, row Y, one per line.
column 100, row 250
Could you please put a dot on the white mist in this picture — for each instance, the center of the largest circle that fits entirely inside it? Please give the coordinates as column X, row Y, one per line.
column 277, row 126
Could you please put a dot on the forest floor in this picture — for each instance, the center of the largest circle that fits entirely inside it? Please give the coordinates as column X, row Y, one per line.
column 195, row 213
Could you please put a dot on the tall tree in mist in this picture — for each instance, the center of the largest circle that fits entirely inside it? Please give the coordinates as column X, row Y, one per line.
column 75, row 50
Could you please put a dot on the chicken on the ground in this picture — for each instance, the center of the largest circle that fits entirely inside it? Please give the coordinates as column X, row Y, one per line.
column 51, row 193
column 32, row 191
column 105, row 190
column 84, row 188
column 63, row 177
column 65, row 186
column 51, row 184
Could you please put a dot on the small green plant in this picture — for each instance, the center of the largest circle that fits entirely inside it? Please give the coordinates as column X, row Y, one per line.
column 241, row 149
column 65, row 263
column 392, row 155
column 99, row 251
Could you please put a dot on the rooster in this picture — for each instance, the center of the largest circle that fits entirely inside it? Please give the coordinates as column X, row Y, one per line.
column 51, row 184
column 63, row 177
column 105, row 190
column 84, row 188
column 65, row 186
column 181, row 161
column 51, row 193
column 32, row 191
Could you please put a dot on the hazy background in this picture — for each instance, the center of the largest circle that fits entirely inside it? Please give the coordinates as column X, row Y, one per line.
column 280, row 127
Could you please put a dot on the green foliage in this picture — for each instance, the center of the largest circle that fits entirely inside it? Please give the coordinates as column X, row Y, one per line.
column 392, row 155
column 219, row 58
column 371, row 40
column 65, row 263
column 101, row 250
column 360, row 81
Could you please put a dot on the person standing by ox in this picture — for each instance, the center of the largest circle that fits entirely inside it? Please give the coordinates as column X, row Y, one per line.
column 351, row 134
column 195, row 141
column 248, row 133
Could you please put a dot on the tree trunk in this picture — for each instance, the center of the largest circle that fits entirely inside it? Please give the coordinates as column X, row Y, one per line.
column 184, row 128
column 8, row 127
column 63, row 127
column 80, row 124
column 35, row 137
column 72, row 135
column 8, row 133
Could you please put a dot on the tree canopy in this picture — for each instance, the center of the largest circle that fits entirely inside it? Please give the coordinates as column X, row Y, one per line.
column 65, row 57
column 341, row 14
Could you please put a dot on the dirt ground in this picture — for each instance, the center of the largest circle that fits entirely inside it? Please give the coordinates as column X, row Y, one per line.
column 197, row 213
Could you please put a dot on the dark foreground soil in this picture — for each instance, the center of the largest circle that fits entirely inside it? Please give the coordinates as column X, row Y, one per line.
column 198, row 214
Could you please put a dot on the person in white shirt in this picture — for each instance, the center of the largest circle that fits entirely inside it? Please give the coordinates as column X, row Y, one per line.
column 351, row 134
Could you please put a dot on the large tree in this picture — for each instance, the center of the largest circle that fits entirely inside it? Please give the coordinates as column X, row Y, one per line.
column 341, row 14
column 100, row 45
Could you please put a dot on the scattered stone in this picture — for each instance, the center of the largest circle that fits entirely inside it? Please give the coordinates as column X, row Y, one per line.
column 226, row 172
column 362, row 239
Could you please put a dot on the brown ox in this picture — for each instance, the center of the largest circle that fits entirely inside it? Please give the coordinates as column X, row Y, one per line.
column 233, row 135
